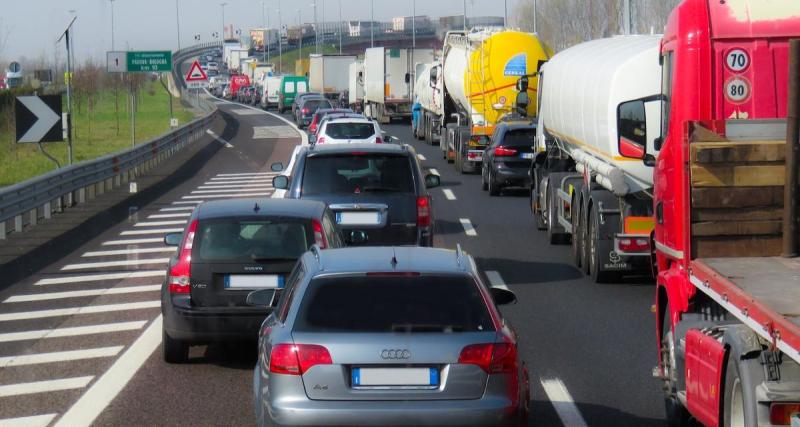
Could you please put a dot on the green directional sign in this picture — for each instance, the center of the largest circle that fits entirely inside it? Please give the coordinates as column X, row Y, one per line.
column 146, row 62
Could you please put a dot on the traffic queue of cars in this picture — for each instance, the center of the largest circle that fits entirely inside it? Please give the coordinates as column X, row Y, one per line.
column 359, row 320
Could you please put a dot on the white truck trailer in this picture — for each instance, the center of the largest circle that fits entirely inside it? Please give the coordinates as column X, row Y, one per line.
column 583, row 190
column 428, row 93
column 235, row 59
column 355, row 91
column 388, row 81
column 330, row 74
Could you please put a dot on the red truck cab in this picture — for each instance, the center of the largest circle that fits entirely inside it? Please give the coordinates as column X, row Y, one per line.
column 238, row 81
column 728, row 345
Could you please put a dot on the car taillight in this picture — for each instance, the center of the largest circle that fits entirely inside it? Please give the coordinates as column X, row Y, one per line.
column 291, row 359
column 321, row 140
column 180, row 273
column 319, row 236
column 423, row 211
column 502, row 151
column 780, row 414
column 378, row 140
column 496, row 358
column 304, row 110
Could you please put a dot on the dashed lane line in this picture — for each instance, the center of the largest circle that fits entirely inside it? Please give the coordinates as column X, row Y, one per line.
column 58, row 312
column 44, row 386
column 562, row 402
column 59, row 356
column 161, row 231
column 83, row 293
column 448, row 193
column 135, row 251
column 31, row 421
column 105, row 264
column 219, row 139
column 133, row 241
column 159, row 223
column 421, row 157
column 468, row 228
column 74, row 331
column 433, row 171
column 99, row 277
column 264, row 180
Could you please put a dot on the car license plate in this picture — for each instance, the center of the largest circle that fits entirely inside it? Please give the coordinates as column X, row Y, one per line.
column 376, row 377
column 358, row 218
column 527, row 155
column 253, row 281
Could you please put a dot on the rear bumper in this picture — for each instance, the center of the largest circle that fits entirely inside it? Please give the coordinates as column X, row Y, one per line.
column 205, row 325
column 512, row 176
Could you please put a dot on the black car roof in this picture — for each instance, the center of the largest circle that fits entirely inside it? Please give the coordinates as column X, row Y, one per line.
column 266, row 207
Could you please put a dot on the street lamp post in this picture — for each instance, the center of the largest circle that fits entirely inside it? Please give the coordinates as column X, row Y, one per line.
column 112, row 24
column 280, row 39
column 265, row 33
column 340, row 27
column 300, row 36
column 465, row 15
column 223, row 22
column 316, row 28
column 413, row 27
column 372, row 23
column 178, row 23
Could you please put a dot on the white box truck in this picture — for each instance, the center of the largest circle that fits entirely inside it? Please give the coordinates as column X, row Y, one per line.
column 389, row 81
column 329, row 74
column 355, row 91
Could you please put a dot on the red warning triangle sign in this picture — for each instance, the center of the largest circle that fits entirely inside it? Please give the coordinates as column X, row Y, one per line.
column 196, row 73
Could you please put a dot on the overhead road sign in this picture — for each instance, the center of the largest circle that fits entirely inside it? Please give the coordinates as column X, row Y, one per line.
column 147, row 62
column 38, row 118
column 117, row 62
column 196, row 78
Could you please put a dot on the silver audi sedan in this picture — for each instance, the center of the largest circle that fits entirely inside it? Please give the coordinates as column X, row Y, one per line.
column 388, row 336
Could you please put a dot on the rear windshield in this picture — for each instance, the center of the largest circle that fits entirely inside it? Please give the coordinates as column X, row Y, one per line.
column 234, row 240
column 393, row 304
column 314, row 104
column 344, row 130
column 357, row 173
column 519, row 137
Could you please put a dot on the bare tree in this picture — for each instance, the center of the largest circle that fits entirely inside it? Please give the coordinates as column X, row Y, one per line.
column 5, row 32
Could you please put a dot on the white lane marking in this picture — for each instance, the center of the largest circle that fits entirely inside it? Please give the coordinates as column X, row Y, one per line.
column 225, row 196
column 495, row 279
column 264, row 186
column 303, row 135
column 150, row 231
column 219, row 139
column 562, row 402
column 421, row 157
column 259, row 181
column 44, row 386
column 31, row 421
column 84, row 293
column 135, row 251
column 132, row 241
column 184, row 202
column 104, row 390
column 231, row 190
column 448, row 193
column 74, row 331
column 433, row 171
column 59, row 356
column 159, row 223
column 264, row 178
column 185, row 208
column 99, row 277
column 124, row 263
column 172, row 215
column 468, row 228
column 245, row 112
column 223, row 175
column 57, row 312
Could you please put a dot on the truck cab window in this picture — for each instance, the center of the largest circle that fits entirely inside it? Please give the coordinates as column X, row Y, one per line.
column 666, row 91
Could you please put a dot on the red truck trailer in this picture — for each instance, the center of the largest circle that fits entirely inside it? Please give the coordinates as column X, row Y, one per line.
column 727, row 304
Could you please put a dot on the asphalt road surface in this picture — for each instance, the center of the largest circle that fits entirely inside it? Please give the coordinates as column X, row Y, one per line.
column 80, row 340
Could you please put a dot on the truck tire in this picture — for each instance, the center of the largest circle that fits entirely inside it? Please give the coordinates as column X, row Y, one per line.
column 174, row 351
column 577, row 248
column 584, row 238
column 553, row 236
column 740, row 405
column 676, row 414
column 596, row 272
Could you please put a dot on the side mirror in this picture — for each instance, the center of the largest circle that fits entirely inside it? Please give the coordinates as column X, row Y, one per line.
column 277, row 167
column 432, row 181
column 312, row 138
column 503, row 296
column 433, row 76
column 173, row 239
column 522, row 102
column 408, row 78
column 261, row 298
column 280, row 182
column 632, row 129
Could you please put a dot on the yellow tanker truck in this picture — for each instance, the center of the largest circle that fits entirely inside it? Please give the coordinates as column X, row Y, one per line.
column 476, row 80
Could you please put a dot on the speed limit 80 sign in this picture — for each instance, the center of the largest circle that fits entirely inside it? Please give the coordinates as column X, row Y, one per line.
column 737, row 88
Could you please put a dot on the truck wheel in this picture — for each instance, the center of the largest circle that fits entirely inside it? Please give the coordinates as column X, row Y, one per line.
column 740, row 404
column 576, row 232
column 584, row 238
column 595, row 270
column 174, row 351
column 676, row 414
column 552, row 214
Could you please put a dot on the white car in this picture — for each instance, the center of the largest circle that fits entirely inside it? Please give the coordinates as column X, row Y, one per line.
column 349, row 130
column 213, row 66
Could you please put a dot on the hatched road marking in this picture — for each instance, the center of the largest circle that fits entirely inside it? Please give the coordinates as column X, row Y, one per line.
column 32, row 421
column 72, row 331
column 185, row 208
column 98, row 277
column 84, row 293
column 172, row 215
column 159, row 223
column 137, row 251
column 44, row 386
column 562, row 402
column 57, row 312
column 468, row 228
column 227, row 196
column 132, row 241
column 59, row 356
column 151, row 231
column 448, row 193
column 125, row 263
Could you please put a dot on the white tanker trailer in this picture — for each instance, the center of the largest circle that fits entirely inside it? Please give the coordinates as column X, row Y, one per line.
column 594, row 100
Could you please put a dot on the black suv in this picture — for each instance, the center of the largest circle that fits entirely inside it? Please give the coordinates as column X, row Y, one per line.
column 377, row 192
column 508, row 158
column 228, row 249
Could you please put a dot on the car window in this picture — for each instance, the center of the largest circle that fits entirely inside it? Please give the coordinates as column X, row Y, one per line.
column 519, row 137
column 234, row 240
column 288, row 87
column 314, row 104
column 355, row 174
column 331, row 231
column 295, row 278
column 302, row 87
column 345, row 130
column 383, row 303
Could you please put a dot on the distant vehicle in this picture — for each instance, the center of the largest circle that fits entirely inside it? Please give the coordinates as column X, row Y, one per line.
column 388, row 81
column 320, row 114
column 308, row 106
column 332, row 116
column 299, row 99
column 347, row 130
column 271, row 91
column 226, row 91
column 377, row 191
column 507, row 161
column 329, row 74
column 213, row 66
column 392, row 335
column 290, row 87
column 238, row 81
column 228, row 249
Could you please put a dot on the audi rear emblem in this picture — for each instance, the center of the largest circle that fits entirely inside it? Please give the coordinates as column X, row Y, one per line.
column 395, row 354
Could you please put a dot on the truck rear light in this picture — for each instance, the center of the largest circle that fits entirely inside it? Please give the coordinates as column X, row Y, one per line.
column 780, row 414
column 423, row 211
column 180, row 274
column 633, row 244
column 504, row 152
column 290, row 359
column 493, row 358
column 319, row 236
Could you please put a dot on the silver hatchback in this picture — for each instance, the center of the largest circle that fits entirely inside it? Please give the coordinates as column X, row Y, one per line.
column 388, row 336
